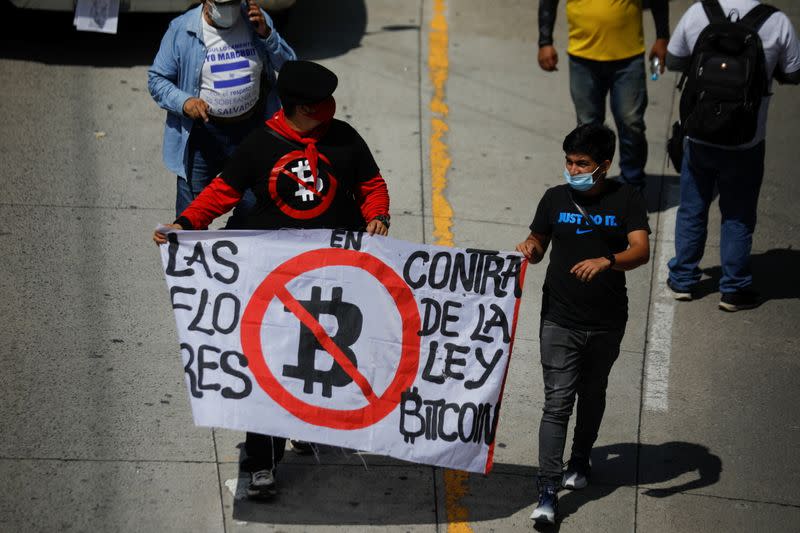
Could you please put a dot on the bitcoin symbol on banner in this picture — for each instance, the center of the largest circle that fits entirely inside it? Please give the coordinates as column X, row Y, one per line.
column 349, row 321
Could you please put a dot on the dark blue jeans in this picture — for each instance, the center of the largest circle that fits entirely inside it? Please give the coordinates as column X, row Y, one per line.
column 737, row 175
column 574, row 363
column 210, row 146
column 590, row 82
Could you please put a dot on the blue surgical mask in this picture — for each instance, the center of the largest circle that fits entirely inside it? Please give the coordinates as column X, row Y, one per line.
column 224, row 15
column 580, row 182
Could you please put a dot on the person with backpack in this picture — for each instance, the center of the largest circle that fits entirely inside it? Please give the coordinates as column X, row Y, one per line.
column 729, row 52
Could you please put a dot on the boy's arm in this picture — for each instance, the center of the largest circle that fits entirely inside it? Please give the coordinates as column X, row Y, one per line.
column 534, row 247
column 637, row 254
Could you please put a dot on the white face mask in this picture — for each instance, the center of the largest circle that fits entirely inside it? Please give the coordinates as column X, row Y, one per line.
column 223, row 15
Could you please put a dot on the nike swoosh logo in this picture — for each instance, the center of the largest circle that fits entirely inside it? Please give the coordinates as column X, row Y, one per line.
column 579, row 231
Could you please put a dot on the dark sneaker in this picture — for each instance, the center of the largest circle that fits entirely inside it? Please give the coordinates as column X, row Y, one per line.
column 547, row 508
column 739, row 300
column 679, row 294
column 301, row 447
column 262, row 485
column 576, row 476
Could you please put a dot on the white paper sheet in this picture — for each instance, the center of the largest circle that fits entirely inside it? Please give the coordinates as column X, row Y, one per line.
column 97, row 15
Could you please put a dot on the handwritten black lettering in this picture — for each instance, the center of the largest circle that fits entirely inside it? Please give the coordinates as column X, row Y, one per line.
column 430, row 419
column 488, row 367
column 233, row 316
column 215, row 252
column 225, row 365
column 174, row 291
column 172, row 251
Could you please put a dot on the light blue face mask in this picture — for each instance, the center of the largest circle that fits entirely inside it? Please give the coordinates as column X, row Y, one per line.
column 224, row 15
column 580, row 182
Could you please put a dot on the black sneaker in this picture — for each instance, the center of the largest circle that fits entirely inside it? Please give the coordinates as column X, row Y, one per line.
column 262, row 485
column 547, row 508
column 301, row 447
column 739, row 300
column 576, row 476
column 679, row 294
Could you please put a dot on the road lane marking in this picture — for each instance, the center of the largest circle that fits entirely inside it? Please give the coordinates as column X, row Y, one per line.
column 659, row 336
column 438, row 70
column 456, row 487
column 455, row 482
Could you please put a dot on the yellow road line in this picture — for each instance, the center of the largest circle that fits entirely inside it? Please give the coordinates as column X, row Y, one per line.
column 440, row 156
column 455, row 482
column 455, row 488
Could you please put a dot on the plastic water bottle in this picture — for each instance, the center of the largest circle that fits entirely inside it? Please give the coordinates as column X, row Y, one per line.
column 655, row 68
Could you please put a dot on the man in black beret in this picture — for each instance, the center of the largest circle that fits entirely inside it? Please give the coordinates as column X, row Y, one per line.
column 307, row 170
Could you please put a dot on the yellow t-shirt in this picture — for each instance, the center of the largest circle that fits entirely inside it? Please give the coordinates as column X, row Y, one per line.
column 605, row 30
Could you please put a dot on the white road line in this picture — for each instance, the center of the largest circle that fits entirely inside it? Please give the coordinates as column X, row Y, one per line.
column 659, row 337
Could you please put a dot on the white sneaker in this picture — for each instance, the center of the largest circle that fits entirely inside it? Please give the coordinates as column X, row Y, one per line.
column 262, row 485
column 547, row 507
column 301, row 447
column 576, row 476
column 679, row 294
column 573, row 480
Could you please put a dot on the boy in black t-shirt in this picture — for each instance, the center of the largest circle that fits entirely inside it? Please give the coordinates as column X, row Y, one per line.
column 599, row 230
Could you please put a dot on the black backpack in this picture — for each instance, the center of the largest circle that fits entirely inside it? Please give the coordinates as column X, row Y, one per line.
column 727, row 78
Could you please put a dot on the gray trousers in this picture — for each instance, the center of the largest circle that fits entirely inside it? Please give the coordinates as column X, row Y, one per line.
column 574, row 362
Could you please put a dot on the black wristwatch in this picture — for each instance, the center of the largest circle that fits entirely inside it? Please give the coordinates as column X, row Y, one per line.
column 611, row 258
column 384, row 219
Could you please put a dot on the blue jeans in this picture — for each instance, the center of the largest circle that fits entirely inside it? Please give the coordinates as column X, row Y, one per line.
column 574, row 362
column 737, row 174
column 590, row 82
column 210, row 146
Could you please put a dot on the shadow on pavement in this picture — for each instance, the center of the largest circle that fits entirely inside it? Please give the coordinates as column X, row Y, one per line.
column 773, row 275
column 655, row 192
column 343, row 488
column 321, row 29
column 49, row 37
column 341, row 491
column 316, row 29
column 614, row 466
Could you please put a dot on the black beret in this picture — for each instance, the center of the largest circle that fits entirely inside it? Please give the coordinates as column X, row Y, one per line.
column 305, row 82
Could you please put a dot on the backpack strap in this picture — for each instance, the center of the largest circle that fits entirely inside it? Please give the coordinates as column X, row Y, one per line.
column 714, row 11
column 757, row 16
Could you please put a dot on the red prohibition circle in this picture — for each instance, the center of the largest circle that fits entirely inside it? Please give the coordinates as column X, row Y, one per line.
column 379, row 406
column 302, row 214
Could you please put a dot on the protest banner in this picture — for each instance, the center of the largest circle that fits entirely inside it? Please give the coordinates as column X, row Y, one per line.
column 340, row 338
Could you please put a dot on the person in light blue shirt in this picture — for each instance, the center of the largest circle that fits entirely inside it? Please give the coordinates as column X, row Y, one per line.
column 215, row 75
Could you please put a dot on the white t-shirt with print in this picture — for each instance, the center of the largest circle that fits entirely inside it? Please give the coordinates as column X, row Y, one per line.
column 231, row 77
column 781, row 47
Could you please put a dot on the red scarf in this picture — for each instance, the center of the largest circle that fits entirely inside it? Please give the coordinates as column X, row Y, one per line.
column 309, row 138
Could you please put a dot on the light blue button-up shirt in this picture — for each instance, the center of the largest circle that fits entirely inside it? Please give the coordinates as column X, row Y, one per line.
column 176, row 73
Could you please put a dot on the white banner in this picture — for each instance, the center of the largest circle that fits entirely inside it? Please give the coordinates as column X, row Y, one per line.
column 340, row 338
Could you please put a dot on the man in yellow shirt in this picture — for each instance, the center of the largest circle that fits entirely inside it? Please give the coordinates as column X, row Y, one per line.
column 606, row 55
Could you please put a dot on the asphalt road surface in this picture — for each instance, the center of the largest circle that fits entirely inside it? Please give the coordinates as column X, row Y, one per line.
column 701, row 430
